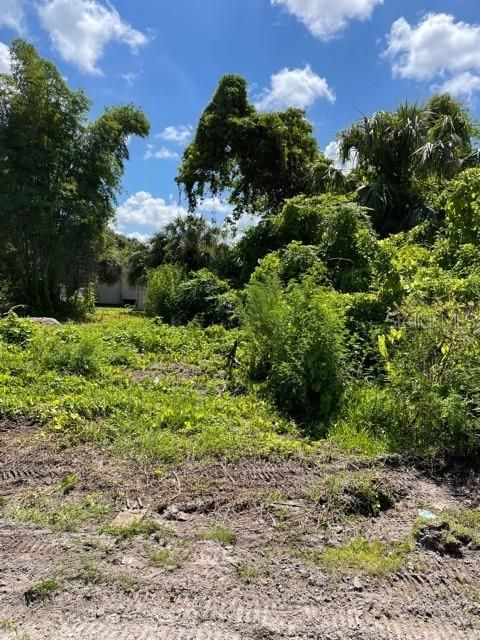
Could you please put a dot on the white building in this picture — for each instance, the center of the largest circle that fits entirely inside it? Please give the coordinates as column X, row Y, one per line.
column 120, row 294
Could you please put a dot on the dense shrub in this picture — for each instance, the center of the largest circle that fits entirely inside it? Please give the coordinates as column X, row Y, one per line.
column 164, row 292
column 295, row 345
column 463, row 209
column 15, row 330
column 342, row 230
column 205, row 297
column 178, row 299
column 430, row 397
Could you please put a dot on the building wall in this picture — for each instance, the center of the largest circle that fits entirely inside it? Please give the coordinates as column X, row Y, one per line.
column 120, row 293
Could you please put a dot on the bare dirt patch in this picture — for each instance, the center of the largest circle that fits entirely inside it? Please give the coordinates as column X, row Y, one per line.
column 227, row 551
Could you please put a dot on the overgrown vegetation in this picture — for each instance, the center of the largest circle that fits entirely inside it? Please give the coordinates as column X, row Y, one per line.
column 350, row 311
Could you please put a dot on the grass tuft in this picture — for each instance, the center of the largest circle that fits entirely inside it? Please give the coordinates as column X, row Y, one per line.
column 370, row 557
column 245, row 574
column 143, row 527
column 41, row 591
column 221, row 534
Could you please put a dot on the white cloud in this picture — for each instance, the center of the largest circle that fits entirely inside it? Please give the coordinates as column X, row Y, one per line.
column 12, row 14
column 180, row 134
column 461, row 86
column 327, row 18
column 160, row 154
column 215, row 206
column 245, row 222
column 332, row 152
column 130, row 78
column 81, row 29
column 437, row 48
column 4, row 58
column 141, row 237
column 294, row 88
column 144, row 210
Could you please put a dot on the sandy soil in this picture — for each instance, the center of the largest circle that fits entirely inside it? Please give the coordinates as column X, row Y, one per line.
column 262, row 587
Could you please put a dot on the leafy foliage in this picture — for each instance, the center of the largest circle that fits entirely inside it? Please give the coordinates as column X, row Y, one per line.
column 393, row 149
column 60, row 176
column 295, row 344
column 260, row 159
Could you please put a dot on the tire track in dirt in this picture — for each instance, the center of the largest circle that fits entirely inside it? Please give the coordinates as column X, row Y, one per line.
column 328, row 625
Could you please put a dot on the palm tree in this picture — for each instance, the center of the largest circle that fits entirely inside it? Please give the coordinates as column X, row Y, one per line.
column 393, row 149
column 192, row 241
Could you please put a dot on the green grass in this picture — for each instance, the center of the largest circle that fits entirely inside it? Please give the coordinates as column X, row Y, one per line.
column 143, row 527
column 89, row 573
column 67, row 517
column 359, row 493
column 247, row 575
column 357, row 441
column 219, row 533
column 81, row 382
column 41, row 591
column 464, row 523
column 370, row 557
column 68, row 483
column 129, row 585
column 460, row 526
column 168, row 559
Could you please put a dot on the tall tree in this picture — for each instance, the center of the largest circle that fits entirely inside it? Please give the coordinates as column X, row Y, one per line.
column 395, row 149
column 258, row 159
column 59, row 178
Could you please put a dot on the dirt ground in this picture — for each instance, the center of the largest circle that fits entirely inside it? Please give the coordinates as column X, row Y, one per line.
column 183, row 582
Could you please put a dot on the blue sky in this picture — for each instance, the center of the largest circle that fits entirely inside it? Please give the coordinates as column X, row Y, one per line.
column 335, row 58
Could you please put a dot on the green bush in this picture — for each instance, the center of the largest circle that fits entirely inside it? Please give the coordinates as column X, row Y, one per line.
column 81, row 305
column 204, row 296
column 463, row 209
column 433, row 364
column 15, row 330
column 69, row 352
column 295, row 344
column 179, row 299
column 164, row 293
column 342, row 231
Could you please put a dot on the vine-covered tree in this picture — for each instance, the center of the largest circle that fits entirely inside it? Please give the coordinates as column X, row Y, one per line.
column 258, row 159
column 59, row 178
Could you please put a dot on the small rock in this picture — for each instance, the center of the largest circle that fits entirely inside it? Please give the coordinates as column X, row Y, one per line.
column 357, row 584
column 127, row 517
column 174, row 513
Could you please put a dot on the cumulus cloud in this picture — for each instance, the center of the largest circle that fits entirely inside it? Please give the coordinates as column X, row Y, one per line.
column 12, row 15
column 332, row 153
column 325, row 19
column 144, row 210
column 81, row 29
column 4, row 58
column 160, row 154
column 180, row 134
column 246, row 222
column 437, row 48
column 461, row 86
column 294, row 88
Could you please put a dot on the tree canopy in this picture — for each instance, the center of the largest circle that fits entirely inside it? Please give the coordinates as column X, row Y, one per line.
column 394, row 150
column 257, row 159
column 60, row 176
